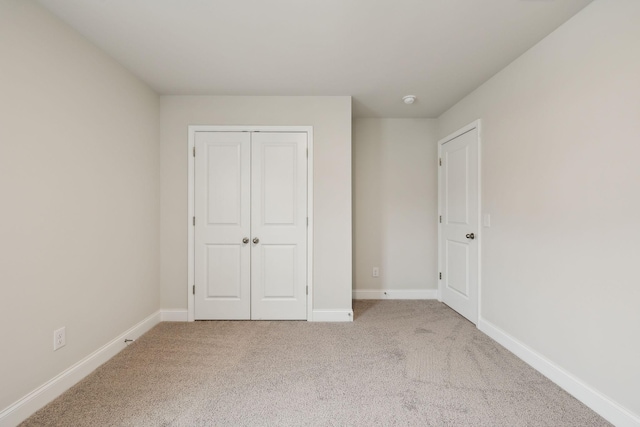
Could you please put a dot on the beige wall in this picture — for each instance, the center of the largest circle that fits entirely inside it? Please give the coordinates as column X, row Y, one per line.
column 395, row 204
column 331, row 121
column 561, row 180
column 79, row 173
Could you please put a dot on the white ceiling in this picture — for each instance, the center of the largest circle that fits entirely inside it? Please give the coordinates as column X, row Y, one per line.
column 375, row 50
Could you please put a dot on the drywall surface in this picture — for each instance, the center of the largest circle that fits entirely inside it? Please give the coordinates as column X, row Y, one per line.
column 395, row 204
column 79, row 174
column 560, row 132
column 331, row 121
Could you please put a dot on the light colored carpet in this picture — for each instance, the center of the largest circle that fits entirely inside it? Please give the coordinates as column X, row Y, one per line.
column 410, row 363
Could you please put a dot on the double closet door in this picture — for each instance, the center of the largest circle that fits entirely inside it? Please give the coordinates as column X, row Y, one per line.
column 250, row 225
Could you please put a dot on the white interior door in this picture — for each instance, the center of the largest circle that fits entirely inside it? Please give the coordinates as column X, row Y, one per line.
column 459, row 208
column 250, row 235
column 222, row 221
column 279, row 225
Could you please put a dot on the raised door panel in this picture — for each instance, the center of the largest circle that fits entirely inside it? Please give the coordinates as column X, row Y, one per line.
column 457, row 190
column 457, row 267
column 279, row 183
column 278, row 272
column 223, row 271
column 224, row 184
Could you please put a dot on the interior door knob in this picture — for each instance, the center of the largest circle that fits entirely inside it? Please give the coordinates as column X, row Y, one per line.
column 471, row 236
column 256, row 240
column 245, row 240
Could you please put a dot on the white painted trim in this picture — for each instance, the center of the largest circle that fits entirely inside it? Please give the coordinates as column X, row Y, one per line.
column 395, row 294
column 174, row 315
column 309, row 130
column 190, row 228
column 440, row 206
column 477, row 124
column 29, row 404
column 598, row 402
column 191, row 201
column 333, row 315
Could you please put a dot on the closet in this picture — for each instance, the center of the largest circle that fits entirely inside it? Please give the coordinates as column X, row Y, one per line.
column 250, row 225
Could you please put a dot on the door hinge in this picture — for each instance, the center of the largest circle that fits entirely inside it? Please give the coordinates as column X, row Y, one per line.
column 440, row 219
column 194, row 221
column 440, row 161
column 307, row 221
column 440, row 276
column 307, row 289
column 194, row 151
column 307, row 153
column 194, row 289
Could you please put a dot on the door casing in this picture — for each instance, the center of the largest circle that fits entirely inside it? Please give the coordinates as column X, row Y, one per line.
column 191, row 203
column 474, row 125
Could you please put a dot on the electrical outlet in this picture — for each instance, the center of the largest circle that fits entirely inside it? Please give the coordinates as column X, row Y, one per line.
column 376, row 272
column 59, row 338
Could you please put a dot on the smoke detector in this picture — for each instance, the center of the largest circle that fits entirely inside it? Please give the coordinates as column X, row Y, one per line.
column 409, row 99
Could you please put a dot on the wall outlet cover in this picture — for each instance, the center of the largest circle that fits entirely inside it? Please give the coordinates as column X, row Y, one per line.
column 59, row 338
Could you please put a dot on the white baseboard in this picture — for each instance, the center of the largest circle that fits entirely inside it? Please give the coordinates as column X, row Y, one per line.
column 174, row 315
column 25, row 407
column 332, row 316
column 395, row 294
column 601, row 404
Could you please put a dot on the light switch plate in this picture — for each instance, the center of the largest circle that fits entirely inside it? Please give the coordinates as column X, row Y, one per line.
column 486, row 220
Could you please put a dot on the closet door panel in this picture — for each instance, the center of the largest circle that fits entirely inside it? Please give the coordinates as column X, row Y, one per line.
column 279, row 225
column 223, row 220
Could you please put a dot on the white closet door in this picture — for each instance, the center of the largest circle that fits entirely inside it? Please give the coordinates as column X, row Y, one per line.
column 279, row 225
column 223, row 220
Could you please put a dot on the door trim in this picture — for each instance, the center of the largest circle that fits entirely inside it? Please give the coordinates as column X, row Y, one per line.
column 473, row 125
column 191, row 203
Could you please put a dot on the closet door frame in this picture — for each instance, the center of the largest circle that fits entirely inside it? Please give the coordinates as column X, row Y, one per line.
column 191, row 201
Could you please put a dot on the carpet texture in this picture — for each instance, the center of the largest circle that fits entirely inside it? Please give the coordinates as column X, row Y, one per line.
column 408, row 363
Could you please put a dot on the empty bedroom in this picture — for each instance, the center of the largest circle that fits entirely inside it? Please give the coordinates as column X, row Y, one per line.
column 317, row 213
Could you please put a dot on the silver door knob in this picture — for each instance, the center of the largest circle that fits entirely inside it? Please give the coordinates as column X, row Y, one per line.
column 245, row 240
column 471, row 236
column 256, row 240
